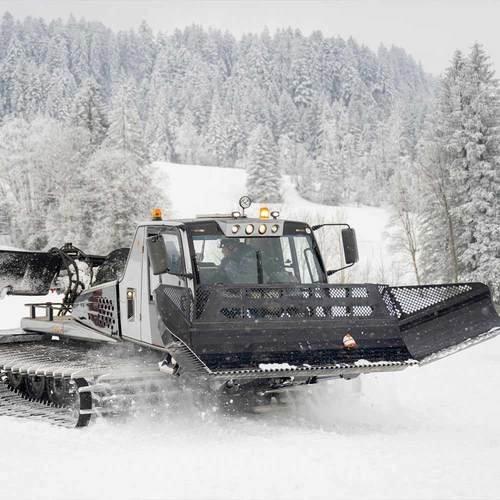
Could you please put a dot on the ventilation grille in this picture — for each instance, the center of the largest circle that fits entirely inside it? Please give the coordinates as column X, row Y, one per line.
column 105, row 313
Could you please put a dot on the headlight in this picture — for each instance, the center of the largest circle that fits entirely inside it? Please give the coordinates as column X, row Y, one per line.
column 249, row 229
column 275, row 228
column 262, row 229
column 235, row 228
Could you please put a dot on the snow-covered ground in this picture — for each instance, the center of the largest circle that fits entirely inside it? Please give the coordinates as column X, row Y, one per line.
column 430, row 432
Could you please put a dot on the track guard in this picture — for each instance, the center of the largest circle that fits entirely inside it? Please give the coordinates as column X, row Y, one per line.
column 441, row 319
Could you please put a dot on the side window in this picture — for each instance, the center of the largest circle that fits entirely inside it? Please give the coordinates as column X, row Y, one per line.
column 173, row 246
column 172, row 240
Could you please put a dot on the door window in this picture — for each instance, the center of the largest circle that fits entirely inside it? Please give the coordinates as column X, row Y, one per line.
column 173, row 245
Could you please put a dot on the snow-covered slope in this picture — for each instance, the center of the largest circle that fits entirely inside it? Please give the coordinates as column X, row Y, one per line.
column 426, row 433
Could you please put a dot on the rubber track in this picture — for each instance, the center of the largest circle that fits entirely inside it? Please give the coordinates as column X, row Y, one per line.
column 110, row 378
column 13, row 404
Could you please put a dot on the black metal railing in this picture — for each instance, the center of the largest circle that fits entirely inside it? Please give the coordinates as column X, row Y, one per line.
column 278, row 302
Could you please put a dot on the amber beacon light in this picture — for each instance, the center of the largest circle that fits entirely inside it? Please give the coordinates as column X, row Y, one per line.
column 264, row 213
column 156, row 214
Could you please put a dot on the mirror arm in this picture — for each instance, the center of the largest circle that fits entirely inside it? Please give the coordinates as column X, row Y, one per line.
column 333, row 271
column 319, row 226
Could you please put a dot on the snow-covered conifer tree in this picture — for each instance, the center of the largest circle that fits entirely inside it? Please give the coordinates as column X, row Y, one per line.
column 288, row 116
column 160, row 131
column 60, row 94
column 263, row 176
column 12, row 77
column 89, row 112
column 475, row 171
column 189, row 147
column 217, row 137
column 301, row 83
column 7, row 31
column 126, row 129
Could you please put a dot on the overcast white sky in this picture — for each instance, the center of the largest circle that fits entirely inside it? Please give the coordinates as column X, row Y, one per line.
column 430, row 30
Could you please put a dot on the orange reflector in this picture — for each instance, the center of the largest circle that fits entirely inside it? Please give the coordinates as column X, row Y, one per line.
column 264, row 213
column 349, row 342
column 156, row 214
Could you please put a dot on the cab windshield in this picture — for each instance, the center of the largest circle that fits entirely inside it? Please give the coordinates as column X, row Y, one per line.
column 257, row 260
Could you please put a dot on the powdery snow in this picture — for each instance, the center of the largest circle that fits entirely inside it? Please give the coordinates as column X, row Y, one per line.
column 423, row 433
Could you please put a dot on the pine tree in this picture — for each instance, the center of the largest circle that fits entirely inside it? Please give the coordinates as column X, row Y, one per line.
column 263, row 176
column 146, row 49
column 288, row 117
column 330, row 166
column 301, row 83
column 189, row 145
column 57, row 53
column 125, row 131
column 79, row 57
column 159, row 132
column 89, row 112
column 35, row 92
column 60, row 94
column 475, row 171
column 12, row 76
column 7, row 30
column 217, row 137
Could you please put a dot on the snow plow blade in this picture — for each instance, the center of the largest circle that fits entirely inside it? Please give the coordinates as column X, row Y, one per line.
column 27, row 273
column 321, row 330
column 439, row 320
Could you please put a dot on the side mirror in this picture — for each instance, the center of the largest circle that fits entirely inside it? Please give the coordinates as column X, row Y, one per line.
column 350, row 245
column 158, row 255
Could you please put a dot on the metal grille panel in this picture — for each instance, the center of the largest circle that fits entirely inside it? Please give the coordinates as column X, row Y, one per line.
column 105, row 313
column 402, row 302
column 181, row 298
column 274, row 302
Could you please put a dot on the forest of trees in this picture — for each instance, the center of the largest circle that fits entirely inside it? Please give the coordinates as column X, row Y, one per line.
column 84, row 111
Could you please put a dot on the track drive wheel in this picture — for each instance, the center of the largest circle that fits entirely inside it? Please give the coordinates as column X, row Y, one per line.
column 58, row 391
column 15, row 381
column 35, row 386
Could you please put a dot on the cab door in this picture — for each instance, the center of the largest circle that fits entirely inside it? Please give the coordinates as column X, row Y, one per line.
column 130, row 287
column 176, row 248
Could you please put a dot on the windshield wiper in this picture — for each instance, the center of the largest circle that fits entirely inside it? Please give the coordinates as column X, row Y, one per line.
column 260, row 273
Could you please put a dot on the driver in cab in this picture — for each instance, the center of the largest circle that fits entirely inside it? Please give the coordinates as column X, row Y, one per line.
column 239, row 264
